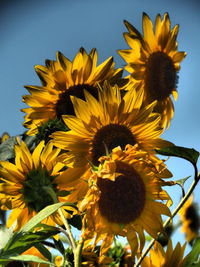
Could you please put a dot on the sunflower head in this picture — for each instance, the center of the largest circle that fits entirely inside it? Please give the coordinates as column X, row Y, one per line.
column 154, row 61
column 122, row 199
column 61, row 79
column 32, row 183
column 160, row 258
column 190, row 220
column 107, row 122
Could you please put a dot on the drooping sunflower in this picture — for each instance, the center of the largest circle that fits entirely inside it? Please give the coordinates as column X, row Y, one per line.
column 103, row 124
column 25, row 185
column 124, row 198
column 160, row 258
column 60, row 79
column 190, row 220
column 154, row 61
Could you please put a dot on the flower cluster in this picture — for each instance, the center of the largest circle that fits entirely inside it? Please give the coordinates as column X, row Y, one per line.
column 95, row 139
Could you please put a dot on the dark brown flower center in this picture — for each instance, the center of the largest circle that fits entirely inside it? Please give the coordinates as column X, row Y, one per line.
column 109, row 137
column 64, row 105
column 122, row 201
column 160, row 76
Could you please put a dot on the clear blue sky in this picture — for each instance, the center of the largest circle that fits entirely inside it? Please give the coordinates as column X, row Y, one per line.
column 32, row 31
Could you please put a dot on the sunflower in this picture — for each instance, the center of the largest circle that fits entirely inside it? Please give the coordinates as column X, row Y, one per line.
column 103, row 124
column 60, row 79
column 123, row 199
column 154, row 61
column 160, row 258
column 190, row 220
column 25, row 185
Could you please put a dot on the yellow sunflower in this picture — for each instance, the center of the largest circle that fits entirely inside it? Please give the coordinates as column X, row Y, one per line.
column 25, row 185
column 169, row 258
column 154, row 61
column 190, row 220
column 61, row 79
column 103, row 124
column 124, row 199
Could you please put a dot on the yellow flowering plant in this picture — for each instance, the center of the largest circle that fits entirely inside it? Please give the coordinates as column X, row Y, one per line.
column 91, row 158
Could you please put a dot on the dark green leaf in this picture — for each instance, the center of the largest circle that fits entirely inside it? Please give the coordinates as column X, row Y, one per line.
column 59, row 246
column 7, row 149
column 22, row 241
column 47, row 228
column 76, row 221
column 189, row 154
column 192, row 257
column 44, row 251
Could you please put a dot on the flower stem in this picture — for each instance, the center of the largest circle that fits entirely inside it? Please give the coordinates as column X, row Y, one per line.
column 65, row 222
column 176, row 210
column 77, row 254
column 68, row 228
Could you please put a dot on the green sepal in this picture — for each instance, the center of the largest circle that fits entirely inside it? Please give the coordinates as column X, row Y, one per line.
column 46, row 129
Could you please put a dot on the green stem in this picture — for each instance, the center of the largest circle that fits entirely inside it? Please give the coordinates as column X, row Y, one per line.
column 65, row 222
column 176, row 210
column 77, row 254
column 68, row 228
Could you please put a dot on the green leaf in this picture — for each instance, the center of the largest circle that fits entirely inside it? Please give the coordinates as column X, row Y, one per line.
column 182, row 181
column 44, row 251
column 59, row 246
column 5, row 235
column 7, row 149
column 192, row 257
column 189, row 154
column 76, row 221
column 24, row 240
column 27, row 258
column 43, row 214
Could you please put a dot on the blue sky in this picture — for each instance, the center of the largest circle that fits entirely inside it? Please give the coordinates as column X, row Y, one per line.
column 32, row 31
